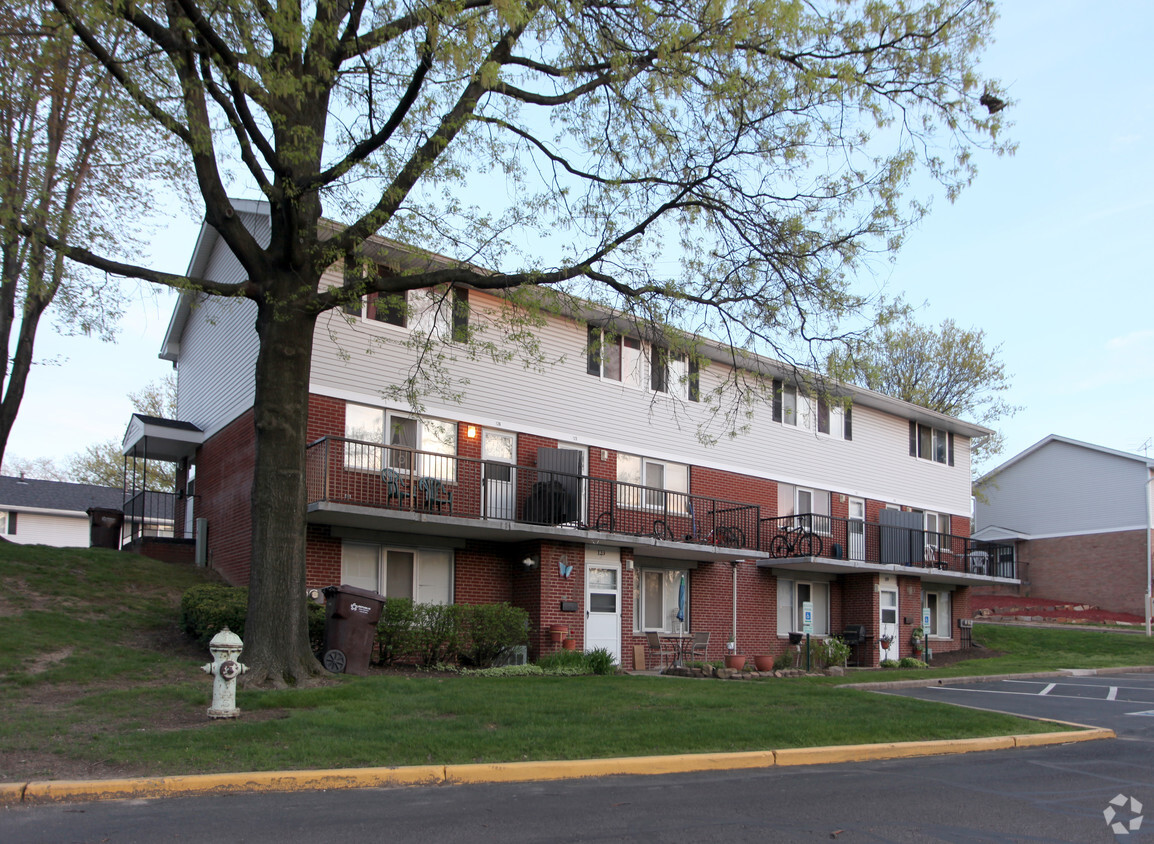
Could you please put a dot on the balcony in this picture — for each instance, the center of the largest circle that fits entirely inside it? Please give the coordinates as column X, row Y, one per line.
column 354, row 485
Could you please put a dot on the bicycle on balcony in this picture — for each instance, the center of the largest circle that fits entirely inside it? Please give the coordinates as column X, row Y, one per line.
column 725, row 536
column 796, row 541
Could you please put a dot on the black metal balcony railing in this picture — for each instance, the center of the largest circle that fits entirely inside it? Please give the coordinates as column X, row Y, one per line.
column 367, row 474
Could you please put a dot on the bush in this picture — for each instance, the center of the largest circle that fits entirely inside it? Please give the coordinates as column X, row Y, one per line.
column 833, row 651
column 911, row 662
column 396, row 630
column 436, row 633
column 207, row 608
column 888, row 663
column 783, row 661
column 600, row 661
column 489, row 630
column 563, row 660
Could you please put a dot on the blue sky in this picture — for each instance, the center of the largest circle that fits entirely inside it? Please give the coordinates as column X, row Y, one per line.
column 1044, row 251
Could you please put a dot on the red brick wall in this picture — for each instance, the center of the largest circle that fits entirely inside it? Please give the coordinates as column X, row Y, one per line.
column 1107, row 570
column 224, row 472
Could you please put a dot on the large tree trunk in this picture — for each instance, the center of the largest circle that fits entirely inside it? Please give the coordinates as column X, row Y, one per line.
column 276, row 647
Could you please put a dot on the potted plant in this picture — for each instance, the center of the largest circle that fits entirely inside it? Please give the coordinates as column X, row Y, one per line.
column 763, row 663
column 569, row 643
column 885, row 640
column 918, row 640
column 558, row 632
column 731, row 643
column 734, row 661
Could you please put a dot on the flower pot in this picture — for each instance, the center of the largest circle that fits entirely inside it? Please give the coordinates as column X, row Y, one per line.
column 569, row 644
column 557, row 632
column 763, row 663
column 735, row 662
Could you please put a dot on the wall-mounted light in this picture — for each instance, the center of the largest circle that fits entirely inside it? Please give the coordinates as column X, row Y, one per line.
column 531, row 562
column 471, row 432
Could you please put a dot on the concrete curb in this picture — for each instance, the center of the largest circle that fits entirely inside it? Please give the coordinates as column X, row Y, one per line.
column 60, row 791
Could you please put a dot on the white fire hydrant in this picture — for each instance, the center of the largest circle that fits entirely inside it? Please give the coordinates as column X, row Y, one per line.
column 225, row 668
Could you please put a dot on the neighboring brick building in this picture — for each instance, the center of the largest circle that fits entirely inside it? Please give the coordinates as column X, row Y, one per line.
column 580, row 490
column 1078, row 516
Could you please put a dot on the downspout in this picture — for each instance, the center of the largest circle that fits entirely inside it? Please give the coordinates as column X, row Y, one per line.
column 735, row 564
column 1149, row 480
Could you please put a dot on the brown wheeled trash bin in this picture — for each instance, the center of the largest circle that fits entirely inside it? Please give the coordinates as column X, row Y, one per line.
column 351, row 617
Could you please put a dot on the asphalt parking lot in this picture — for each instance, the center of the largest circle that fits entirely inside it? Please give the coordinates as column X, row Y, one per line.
column 1123, row 702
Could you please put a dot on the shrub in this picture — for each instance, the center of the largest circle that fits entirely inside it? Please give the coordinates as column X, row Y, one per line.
column 563, row 660
column 888, row 663
column 395, row 630
column 911, row 662
column 834, row 651
column 600, row 661
column 489, row 630
column 208, row 607
column 783, row 661
column 436, row 633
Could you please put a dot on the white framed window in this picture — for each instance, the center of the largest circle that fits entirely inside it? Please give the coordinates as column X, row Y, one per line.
column 938, row 604
column 652, row 484
column 373, row 427
column 655, row 600
column 640, row 365
column 937, row 530
column 791, row 595
column 831, row 419
column 424, row 575
column 817, row 503
column 7, row 523
column 929, row 443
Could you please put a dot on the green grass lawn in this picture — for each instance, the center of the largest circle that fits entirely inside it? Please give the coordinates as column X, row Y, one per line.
column 95, row 681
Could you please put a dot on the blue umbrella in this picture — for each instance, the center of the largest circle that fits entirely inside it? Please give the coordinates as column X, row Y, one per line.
column 681, row 600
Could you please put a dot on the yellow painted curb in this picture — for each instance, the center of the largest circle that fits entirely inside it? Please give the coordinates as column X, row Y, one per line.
column 59, row 790
column 1040, row 739
column 896, row 750
column 11, row 793
column 343, row 778
column 526, row 771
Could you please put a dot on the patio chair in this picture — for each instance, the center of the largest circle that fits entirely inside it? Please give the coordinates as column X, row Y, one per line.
column 435, row 494
column 656, row 645
column 395, row 486
column 700, row 646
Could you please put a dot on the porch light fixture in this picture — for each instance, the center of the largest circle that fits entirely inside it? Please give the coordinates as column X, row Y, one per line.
column 530, row 563
column 471, row 431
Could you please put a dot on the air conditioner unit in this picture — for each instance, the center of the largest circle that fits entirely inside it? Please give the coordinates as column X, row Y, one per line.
column 517, row 655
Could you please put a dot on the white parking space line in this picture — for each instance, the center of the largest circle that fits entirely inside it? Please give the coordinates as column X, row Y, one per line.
column 1047, row 690
column 1113, row 693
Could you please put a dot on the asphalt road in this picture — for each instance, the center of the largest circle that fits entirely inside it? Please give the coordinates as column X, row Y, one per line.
column 1049, row 794
column 1122, row 702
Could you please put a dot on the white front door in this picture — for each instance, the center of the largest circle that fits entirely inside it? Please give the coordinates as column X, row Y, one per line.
column 498, row 450
column 603, row 600
column 856, row 529
column 888, row 623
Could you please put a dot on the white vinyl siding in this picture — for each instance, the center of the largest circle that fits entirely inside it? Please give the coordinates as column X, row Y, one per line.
column 1063, row 489
column 56, row 530
column 643, row 422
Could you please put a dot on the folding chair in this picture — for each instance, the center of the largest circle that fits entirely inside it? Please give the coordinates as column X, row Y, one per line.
column 659, row 647
column 700, row 646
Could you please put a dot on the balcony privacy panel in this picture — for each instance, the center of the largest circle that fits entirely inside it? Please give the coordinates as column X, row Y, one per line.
column 902, row 537
column 566, row 463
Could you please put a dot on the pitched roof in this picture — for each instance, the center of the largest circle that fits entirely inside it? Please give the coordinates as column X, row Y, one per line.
column 1055, row 438
column 16, row 493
